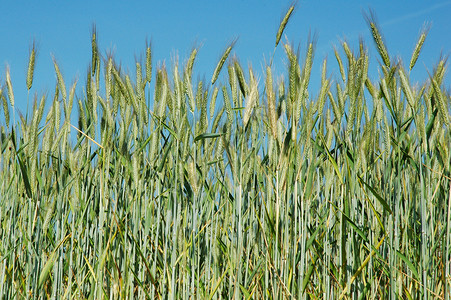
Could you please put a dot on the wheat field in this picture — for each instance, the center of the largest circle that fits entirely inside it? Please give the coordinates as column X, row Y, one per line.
column 244, row 186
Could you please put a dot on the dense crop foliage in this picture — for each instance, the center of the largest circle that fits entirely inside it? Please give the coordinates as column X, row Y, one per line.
column 247, row 188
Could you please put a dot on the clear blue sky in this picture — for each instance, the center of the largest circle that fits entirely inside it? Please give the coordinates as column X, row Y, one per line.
column 62, row 28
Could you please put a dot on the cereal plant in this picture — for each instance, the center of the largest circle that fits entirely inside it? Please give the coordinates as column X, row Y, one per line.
column 244, row 186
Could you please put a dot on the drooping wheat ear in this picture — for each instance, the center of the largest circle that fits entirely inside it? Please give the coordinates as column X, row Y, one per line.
column 351, row 118
column 178, row 92
column 272, row 114
column 370, row 87
column 110, row 120
column 68, row 107
column 56, row 112
column 108, row 78
column 213, row 101
column 82, row 120
column 203, row 111
column 283, row 24
column 148, row 63
column 48, row 216
column 88, row 89
column 418, row 46
column 164, row 94
column 377, row 37
column 186, row 134
column 233, row 83
column 421, row 127
column 307, row 132
column 119, row 81
column 387, row 134
column 30, row 70
column 309, row 61
column 94, row 100
column 241, row 80
column 406, row 87
column 131, row 93
column 158, row 88
column 341, row 99
column 140, row 85
column 439, row 72
column 95, row 54
column 41, row 108
column 350, row 84
column 221, row 62
column 135, row 163
column 190, row 64
column 329, row 125
column 5, row 108
column 364, row 70
column 324, row 71
column 441, row 103
column 139, row 82
column 340, row 65
column 251, row 99
column 192, row 177
column 121, row 139
column 34, row 141
column 97, row 86
column 306, row 72
column 347, row 51
column 335, row 108
column 59, row 76
column 199, row 92
column 322, row 96
column 359, row 112
column 228, row 108
column 216, row 120
column 187, row 86
column 293, row 61
column 9, row 86
column 46, row 140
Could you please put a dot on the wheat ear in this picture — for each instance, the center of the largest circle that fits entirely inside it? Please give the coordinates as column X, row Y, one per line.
column 59, row 77
column 221, row 62
column 30, row 70
column 371, row 20
column 418, row 47
column 9, row 86
column 283, row 24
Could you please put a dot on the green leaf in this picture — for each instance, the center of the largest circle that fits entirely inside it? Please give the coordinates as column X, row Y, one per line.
column 332, row 160
column 312, row 238
column 430, row 123
column 26, row 182
column 309, row 273
column 378, row 197
column 165, row 155
column 46, row 270
column 356, row 228
column 49, row 264
column 245, row 292
column 409, row 264
column 204, row 136
column 213, row 292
